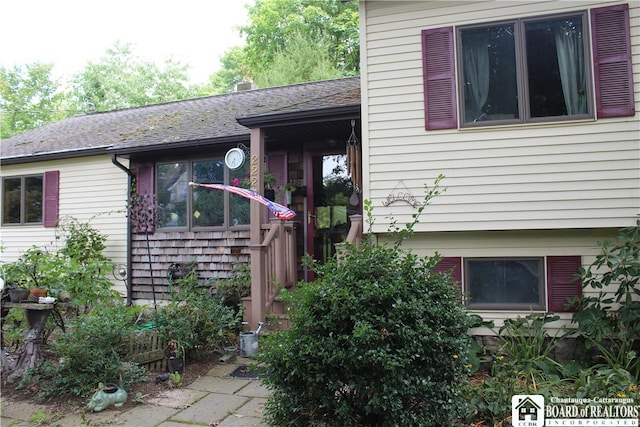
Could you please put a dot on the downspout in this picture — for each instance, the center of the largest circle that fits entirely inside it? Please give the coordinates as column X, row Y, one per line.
column 130, row 177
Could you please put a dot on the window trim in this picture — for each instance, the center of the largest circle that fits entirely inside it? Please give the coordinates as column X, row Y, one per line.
column 611, row 70
column 189, row 205
column 541, row 305
column 50, row 199
column 522, row 74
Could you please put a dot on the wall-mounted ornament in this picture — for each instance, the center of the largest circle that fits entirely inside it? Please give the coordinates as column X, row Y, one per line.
column 400, row 194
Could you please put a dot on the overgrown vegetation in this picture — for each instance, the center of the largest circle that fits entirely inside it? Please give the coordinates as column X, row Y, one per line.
column 195, row 319
column 77, row 266
column 609, row 323
column 93, row 348
column 91, row 352
column 378, row 340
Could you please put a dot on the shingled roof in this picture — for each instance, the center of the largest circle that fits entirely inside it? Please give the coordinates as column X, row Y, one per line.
column 212, row 118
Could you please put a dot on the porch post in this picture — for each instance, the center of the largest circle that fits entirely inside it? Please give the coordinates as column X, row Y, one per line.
column 256, row 215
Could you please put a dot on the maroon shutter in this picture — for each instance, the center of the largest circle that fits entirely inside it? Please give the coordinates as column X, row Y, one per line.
column 439, row 79
column 612, row 59
column 561, row 281
column 51, row 198
column 452, row 265
column 144, row 186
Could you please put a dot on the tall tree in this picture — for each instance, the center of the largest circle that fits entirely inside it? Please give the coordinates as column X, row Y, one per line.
column 120, row 79
column 274, row 23
column 29, row 98
column 225, row 80
column 302, row 60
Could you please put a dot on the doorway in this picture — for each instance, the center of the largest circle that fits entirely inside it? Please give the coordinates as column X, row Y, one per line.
column 331, row 200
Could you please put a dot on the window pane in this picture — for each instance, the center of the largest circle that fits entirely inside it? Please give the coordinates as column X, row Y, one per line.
column 239, row 206
column 489, row 68
column 11, row 200
column 509, row 283
column 208, row 204
column 33, row 199
column 556, row 67
column 172, row 190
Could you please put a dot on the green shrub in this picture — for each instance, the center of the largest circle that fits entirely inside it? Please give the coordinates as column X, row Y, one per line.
column 234, row 288
column 195, row 319
column 78, row 266
column 610, row 321
column 378, row 340
column 90, row 352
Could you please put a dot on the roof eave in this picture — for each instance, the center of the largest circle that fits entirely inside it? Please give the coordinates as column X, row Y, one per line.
column 57, row 155
column 299, row 117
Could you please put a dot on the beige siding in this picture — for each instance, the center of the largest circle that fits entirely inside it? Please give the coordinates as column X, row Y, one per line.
column 91, row 189
column 539, row 243
column 579, row 174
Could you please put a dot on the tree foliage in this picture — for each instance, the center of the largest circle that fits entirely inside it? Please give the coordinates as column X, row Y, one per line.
column 275, row 23
column 233, row 72
column 120, row 79
column 29, row 98
column 302, row 60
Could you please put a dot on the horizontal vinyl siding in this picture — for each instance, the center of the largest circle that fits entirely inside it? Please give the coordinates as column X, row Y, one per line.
column 91, row 189
column 580, row 174
column 515, row 244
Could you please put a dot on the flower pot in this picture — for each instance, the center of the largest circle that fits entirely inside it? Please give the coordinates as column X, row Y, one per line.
column 175, row 364
column 35, row 293
column 18, row 295
column 270, row 193
column 64, row 296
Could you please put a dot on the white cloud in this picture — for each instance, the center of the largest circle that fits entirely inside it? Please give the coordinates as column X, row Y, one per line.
column 68, row 33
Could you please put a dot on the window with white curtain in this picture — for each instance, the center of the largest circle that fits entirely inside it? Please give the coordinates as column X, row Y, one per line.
column 524, row 70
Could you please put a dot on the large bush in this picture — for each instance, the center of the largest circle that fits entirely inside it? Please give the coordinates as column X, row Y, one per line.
column 609, row 322
column 91, row 352
column 378, row 340
column 195, row 319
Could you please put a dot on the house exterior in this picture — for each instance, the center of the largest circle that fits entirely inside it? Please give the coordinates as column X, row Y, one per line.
column 95, row 166
column 529, row 110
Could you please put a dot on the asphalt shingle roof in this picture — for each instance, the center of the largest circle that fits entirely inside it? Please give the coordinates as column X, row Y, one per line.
column 207, row 118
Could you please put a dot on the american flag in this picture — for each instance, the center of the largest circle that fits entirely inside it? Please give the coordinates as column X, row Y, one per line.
column 278, row 210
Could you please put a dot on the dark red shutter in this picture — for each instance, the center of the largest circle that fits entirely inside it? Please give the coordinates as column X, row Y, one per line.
column 144, row 186
column 561, row 281
column 453, row 266
column 51, row 198
column 438, row 65
column 612, row 59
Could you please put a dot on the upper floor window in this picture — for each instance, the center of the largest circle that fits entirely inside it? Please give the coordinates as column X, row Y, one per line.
column 524, row 70
column 192, row 207
column 529, row 70
column 30, row 199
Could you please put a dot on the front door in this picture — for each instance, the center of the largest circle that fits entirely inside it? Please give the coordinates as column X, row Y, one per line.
column 330, row 202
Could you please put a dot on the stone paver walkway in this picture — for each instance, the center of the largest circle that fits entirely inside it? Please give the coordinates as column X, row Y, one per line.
column 215, row 399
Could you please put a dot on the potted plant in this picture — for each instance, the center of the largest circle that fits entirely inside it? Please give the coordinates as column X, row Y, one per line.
column 30, row 275
column 288, row 190
column 269, row 183
column 175, row 357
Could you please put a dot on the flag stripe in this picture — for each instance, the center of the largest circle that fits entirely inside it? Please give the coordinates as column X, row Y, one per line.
column 280, row 211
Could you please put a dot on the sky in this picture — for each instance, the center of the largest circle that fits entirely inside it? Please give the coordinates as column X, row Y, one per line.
column 69, row 33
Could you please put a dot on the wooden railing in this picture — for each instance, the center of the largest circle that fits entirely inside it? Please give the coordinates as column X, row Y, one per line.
column 354, row 236
column 355, row 231
column 277, row 266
